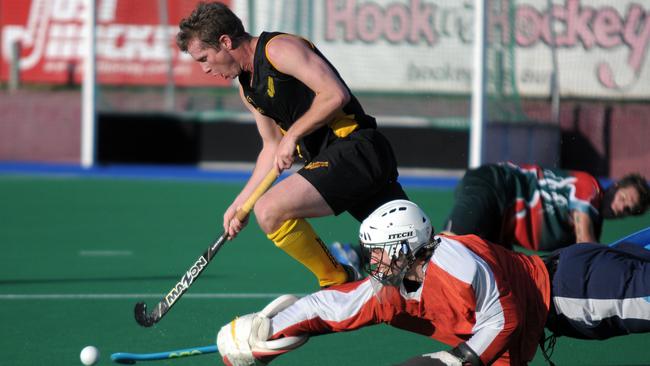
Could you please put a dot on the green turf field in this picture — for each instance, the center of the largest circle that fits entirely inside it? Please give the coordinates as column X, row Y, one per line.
column 78, row 253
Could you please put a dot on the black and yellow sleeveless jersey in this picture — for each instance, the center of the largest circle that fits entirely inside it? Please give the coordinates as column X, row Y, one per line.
column 285, row 99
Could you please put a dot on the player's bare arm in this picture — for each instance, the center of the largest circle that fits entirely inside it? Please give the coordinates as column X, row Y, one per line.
column 584, row 228
column 293, row 56
column 271, row 136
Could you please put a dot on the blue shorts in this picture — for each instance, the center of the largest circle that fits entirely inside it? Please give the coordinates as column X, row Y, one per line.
column 599, row 291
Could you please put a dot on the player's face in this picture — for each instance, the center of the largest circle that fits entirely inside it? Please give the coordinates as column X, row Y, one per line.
column 379, row 258
column 381, row 262
column 216, row 62
column 625, row 201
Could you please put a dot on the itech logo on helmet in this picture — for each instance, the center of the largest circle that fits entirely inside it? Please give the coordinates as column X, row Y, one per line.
column 405, row 234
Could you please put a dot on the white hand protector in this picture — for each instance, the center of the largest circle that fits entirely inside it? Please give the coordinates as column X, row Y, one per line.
column 244, row 341
column 233, row 342
column 445, row 358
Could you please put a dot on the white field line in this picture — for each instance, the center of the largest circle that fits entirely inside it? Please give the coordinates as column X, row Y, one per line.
column 136, row 296
column 105, row 253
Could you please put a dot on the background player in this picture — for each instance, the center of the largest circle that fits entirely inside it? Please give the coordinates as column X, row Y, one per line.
column 489, row 303
column 300, row 105
column 538, row 208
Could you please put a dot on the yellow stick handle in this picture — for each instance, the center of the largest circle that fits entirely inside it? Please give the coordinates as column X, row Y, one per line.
column 266, row 183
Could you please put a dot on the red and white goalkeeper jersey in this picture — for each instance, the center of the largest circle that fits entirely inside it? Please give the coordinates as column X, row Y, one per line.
column 475, row 292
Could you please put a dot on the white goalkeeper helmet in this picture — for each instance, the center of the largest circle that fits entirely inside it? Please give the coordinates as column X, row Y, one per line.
column 391, row 237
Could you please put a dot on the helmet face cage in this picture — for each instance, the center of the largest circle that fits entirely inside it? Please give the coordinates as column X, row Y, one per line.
column 390, row 237
column 387, row 262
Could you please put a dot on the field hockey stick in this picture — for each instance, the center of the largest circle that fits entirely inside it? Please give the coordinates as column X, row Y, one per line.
column 148, row 319
column 640, row 238
column 131, row 358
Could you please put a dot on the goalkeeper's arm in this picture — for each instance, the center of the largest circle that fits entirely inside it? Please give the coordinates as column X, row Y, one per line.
column 286, row 323
column 245, row 341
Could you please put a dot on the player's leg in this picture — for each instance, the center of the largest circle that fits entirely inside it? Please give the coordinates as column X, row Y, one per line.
column 281, row 214
column 600, row 292
column 348, row 255
column 347, row 174
column 477, row 207
column 371, row 157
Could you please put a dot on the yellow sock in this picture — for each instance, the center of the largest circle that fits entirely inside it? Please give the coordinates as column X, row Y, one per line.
column 298, row 239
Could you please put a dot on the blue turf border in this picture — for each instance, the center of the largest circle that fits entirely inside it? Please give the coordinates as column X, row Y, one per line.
column 175, row 172
column 189, row 172
column 165, row 172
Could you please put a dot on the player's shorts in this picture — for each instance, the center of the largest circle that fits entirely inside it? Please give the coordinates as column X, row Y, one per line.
column 357, row 173
column 479, row 204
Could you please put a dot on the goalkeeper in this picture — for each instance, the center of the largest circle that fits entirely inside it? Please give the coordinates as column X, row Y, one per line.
column 302, row 109
column 489, row 304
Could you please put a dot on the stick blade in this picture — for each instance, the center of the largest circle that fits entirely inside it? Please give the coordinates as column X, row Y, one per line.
column 141, row 316
column 122, row 358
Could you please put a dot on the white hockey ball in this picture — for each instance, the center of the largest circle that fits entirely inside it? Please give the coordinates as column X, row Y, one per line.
column 89, row 355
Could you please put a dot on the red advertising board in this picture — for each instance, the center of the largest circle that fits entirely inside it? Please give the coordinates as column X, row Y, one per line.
column 133, row 45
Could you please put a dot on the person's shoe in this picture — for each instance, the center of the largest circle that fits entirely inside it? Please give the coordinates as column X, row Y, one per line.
column 353, row 274
column 348, row 258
